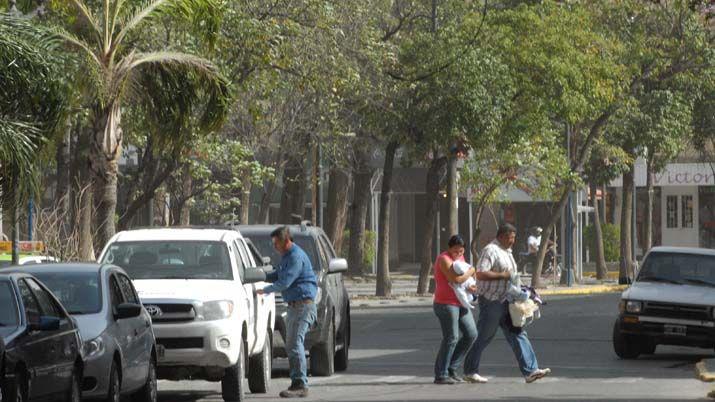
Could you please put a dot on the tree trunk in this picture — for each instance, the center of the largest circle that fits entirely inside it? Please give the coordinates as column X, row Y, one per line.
column 245, row 201
column 105, row 149
column 358, row 219
column 601, row 269
column 626, row 264
column 452, row 196
column 315, row 184
column 474, row 245
column 85, row 197
column 649, row 207
column 187, row 185
column 428, row 224
column 384, row 285
column 336, row 218
column 63, row 158
column 15, row 235
column 293, row 198
column 545, row 236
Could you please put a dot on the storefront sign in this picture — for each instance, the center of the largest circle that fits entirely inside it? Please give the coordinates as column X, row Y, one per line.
column 675, row 174
column 25, row 247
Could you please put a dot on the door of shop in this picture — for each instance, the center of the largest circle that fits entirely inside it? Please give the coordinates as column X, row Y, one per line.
column 680, row 216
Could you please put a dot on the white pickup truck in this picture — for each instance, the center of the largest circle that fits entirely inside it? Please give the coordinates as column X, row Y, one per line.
column 199, row 286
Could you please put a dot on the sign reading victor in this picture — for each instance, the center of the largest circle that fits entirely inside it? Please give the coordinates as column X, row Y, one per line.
column 675, row 174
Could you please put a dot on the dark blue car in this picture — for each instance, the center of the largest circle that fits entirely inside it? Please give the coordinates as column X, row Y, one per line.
column 42, row 358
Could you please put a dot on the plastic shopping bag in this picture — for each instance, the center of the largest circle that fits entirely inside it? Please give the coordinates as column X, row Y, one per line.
column 523, row 312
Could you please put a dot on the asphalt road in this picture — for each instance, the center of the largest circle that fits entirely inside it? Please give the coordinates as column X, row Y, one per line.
column 393, row 354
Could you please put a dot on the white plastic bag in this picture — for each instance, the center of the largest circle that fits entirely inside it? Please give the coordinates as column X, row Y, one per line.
column 523, row 312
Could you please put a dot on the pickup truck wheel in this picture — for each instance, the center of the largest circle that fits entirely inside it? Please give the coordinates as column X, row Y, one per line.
column 259, row 368
column 625, row 346
column 232, row 389
column 322, row 356
column 343, row 355
column 648, row 346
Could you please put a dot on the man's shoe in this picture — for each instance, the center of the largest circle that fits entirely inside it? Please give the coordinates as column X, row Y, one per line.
column 537, row 375
column 457, row 379
column 295, row 391
column 475, row 379
column 444, row 381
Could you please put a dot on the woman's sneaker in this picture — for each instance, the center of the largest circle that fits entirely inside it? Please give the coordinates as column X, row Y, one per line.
column 537, row 375
column 475, row 379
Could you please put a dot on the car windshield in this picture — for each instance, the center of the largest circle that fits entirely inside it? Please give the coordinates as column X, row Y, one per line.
column 79, row 292
column 171, row 259
column 264, row 244
column 679, row 268
column 8, row 306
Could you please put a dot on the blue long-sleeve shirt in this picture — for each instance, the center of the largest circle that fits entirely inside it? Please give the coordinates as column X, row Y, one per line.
column 294, row 276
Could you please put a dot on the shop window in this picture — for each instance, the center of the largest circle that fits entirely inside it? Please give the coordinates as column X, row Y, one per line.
column 671, row 211
column 686, row 203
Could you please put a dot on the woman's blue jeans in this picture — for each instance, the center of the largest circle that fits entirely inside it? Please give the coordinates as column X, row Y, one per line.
column 458, row 334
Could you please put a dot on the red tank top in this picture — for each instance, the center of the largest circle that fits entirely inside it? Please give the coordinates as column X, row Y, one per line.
column 443, row 293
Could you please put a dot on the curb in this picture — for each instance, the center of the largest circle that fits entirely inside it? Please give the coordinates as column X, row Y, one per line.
column 584, row 291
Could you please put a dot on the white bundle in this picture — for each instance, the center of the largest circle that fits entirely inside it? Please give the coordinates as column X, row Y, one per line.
column 523, row 312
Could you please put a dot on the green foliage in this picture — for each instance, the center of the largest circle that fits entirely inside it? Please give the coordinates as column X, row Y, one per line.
column 611, row 240
column 369, row 247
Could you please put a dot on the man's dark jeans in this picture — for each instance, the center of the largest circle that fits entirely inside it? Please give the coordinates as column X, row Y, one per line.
column 453, row 320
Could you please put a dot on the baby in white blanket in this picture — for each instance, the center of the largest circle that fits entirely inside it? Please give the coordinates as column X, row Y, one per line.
column 461, row 290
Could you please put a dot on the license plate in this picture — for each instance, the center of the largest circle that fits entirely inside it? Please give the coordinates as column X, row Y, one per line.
column 160, row 351
column 677, row 330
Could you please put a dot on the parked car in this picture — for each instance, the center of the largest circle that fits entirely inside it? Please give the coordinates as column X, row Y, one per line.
column 199, row 285
column 328, row 341
column 42, row 354
column 119, row 349
column 670, row 303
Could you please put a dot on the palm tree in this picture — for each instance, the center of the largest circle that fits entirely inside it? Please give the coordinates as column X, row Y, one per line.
column 120, row 68
column 31, row 104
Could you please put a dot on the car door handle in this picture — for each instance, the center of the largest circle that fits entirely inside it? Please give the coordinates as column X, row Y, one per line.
column 136, row 332
column 147, row 324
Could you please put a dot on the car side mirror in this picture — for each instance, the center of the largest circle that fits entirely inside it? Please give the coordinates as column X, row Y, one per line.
column 45, row 323
column 128, row 310
column 266, row 260
column 254, row 275
column 337, row 265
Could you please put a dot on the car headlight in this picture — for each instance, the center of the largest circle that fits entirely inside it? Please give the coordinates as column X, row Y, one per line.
column 215, row 310
column 92, row 348
column 634, row 306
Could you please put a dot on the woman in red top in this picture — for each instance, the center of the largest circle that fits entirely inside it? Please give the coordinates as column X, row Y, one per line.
column 457, row 322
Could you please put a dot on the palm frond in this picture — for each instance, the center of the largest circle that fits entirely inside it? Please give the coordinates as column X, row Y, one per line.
column 181, row 91
column 89, row 17
column 18, row 170
column 74, row 41
column 142, row 13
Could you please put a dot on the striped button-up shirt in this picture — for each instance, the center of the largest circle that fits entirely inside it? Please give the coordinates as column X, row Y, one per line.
column 495, row 258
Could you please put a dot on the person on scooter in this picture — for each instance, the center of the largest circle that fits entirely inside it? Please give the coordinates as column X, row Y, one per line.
column 533, row 242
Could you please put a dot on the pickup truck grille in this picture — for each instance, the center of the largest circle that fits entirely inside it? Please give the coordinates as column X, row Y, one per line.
column 171, row 312
column 682, row 311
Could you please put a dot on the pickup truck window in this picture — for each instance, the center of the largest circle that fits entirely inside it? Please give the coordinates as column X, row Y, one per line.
column 679, row 268
column 172, row 259
column 8, row 307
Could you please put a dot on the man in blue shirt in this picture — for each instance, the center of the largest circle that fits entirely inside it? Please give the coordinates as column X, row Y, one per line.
column 295, row 279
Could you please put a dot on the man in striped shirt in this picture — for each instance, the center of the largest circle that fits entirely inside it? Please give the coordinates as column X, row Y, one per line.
column 494, row 271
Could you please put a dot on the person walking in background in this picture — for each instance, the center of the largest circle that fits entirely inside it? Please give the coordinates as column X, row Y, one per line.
column 294, row 277
column 494, row 270
column 457, row 322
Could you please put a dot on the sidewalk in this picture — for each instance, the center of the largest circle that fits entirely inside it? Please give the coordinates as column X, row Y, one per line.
column 404, row 290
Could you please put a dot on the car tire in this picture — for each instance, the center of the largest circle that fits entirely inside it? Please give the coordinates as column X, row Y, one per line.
column 15, row 391
column 342, row 356
column 114, row 390
column 260, row 367
column 322, row 356
column 148, row 393
column 75, row 392
column 648, row 346
column 625, row 346
column 232, row 388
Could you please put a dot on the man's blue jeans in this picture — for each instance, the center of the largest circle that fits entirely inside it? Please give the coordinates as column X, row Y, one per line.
column 298, row 321
column 453, row 320
column 492, row 315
